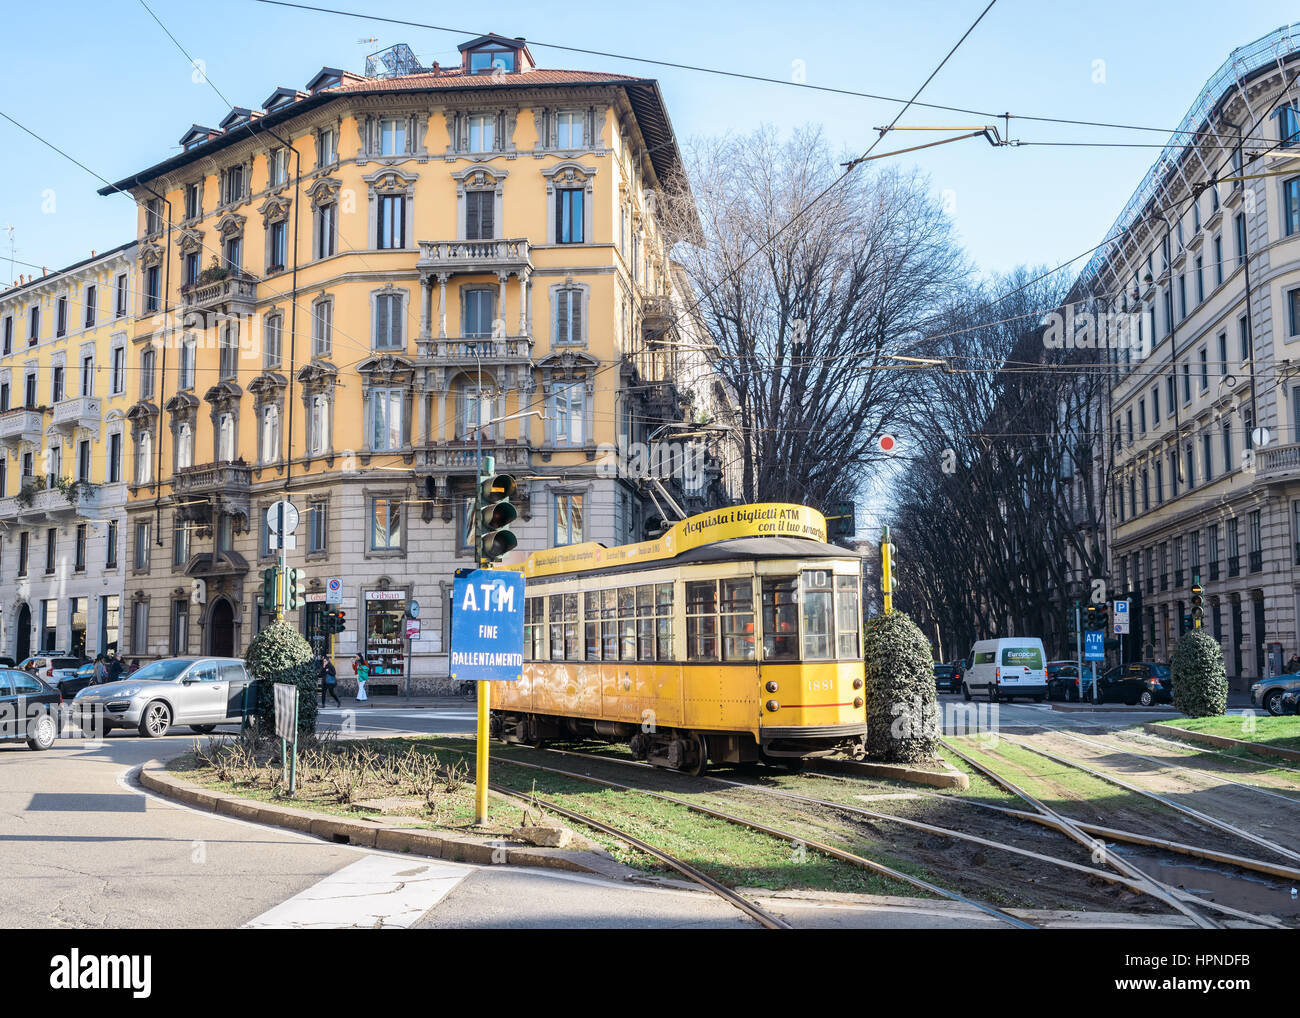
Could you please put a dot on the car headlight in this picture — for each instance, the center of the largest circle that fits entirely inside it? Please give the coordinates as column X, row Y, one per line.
column 126, row 694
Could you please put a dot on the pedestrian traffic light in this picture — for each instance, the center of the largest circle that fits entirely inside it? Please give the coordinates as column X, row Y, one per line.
column 495, row 514
column 268, row 588
column 1198, row 603
column 297, row 588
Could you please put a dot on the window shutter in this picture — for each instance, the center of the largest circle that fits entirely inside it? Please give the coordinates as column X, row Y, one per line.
column 381, row 321
column 487, row 214
column 499, row 142
column 561, row 316
column 575, row 314
column 471, row 216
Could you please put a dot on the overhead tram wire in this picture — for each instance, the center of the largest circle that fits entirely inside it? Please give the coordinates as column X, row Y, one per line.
column 741, row 75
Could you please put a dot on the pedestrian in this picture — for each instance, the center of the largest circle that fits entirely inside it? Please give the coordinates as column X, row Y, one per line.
column 363, row 673
column 135, row 666
column 1294, row 664
column 329, row 682
column 114, row 668
column 100, row 675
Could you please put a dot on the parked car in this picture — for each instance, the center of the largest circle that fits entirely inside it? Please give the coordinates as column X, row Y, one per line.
column 72, row 684
column 1064, row 682
column 29, row 709
column 199, row 692
column 1138, row 683
column 1290, row 702
column 53, row 667
column 1005, row 668
column 8, row 662
column 1267, row 693
column 947, row 678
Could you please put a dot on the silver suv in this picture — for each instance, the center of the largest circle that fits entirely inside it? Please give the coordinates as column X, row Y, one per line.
column 200, row 692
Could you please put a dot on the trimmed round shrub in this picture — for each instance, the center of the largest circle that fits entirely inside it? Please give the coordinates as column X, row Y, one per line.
column 1200, row 683
column 280, row 654
column 902, row 704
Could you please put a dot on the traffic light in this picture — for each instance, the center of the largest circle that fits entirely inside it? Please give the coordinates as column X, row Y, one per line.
column 268, row 588
column 1103, row 616
column 297, row 593
column 495, row 514
column 334, row 621
column 1198, row 603
column 1091, row 621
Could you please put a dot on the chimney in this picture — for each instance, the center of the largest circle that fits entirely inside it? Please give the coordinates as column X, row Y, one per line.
column 92, row 252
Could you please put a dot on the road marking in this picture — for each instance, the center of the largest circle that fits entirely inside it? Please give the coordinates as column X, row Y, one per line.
column 377, row 892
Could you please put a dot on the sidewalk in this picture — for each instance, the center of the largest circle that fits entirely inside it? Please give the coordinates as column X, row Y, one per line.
column 402, row 703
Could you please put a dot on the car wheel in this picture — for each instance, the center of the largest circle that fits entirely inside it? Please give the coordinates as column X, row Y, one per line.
column 155, row 720
column 203, row 729
column 1048, row 695
column 42, row 730
column 1273, row 702
column 1038, row 699
column 965, row 692
column 1145, row 698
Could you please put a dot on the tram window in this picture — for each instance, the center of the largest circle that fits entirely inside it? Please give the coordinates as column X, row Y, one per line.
column 609, row 624
column 571, row 645
column 702, row 620
column 781, row 618
column 664, row 621
column 848, row 615
column 645, row 622
column 737, row 606
column 535, row 628
column 627, row 623
column 591, row 609
column 818, row 614
column 557, row 627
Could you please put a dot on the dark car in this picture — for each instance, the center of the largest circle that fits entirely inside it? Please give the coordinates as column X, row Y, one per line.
column 1137, row 683
column 1290, row 702
column 71, row 685
column 29, row 709
column 947, row 678
column 1063, row 681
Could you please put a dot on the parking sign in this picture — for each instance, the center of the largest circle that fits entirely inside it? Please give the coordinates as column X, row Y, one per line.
column 1121, row 616
column 487, row 626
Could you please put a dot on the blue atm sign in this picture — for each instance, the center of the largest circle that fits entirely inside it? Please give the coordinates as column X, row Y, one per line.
column 1094, row 645
column 487, row 626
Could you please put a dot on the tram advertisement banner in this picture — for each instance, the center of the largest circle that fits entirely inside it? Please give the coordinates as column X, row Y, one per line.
column 767, row 519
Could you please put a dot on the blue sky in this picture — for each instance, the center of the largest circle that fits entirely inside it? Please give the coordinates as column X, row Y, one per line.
column 105, row 84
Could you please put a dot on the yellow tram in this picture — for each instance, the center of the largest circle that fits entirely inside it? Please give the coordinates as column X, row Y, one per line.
column 735, row 637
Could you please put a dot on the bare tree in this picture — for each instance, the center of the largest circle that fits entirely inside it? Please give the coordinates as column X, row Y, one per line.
column 807, row 316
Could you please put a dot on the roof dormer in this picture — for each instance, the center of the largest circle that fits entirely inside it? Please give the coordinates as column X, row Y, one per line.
column 330, row 77
column 492, row 52
column 282, row 97
column 238, row 115
column 197, row 135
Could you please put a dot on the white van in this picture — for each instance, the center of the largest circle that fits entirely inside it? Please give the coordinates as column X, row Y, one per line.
column 1006, row 668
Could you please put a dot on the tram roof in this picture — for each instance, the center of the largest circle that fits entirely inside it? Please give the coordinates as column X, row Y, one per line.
column 765, row 530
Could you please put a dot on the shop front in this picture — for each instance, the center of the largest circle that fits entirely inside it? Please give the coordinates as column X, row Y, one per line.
column 384, row 636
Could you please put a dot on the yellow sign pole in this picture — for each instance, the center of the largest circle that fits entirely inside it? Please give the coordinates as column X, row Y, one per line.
column 887, row 570
column 481, row 756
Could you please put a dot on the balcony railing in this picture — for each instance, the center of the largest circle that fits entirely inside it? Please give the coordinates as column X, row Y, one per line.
column 1214, row 570
column 236, row 293
column 486, row 350
column 1277, row 461
column 459, row 457
column 1178, row 577
column 1256, row 561
column 22, row 424
column 212, row 478
column 1234, row 565
column 77, row 412
column 1297, row 553
column 475, row 255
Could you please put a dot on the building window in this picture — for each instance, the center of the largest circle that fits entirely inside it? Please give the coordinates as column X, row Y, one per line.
column 61, row 317
column 327, row 217
column 390, row 221
column 567, row 521
column 1293, row 308
column 147, row 359
column 110, row 546
column 318, row 528
column 225, row 437
column 140, row 627
column 191, row 268
column 24, row 541
column 388, row 322
column 234, row 189
column 385, row 524
column 326, row 147
column 276, row 254
column 484, row 61
column 228, row 355
column 569, row 215
column 184, row 445
column 1288, row 126
column 1255, row 540
column 83, row 461
column 181, row 543
column 270, row 444
column 120, row 309
column 1239, row 224
column 144, row 458
column 153, row 221
column 8, row 347
column 480, row 215
column 1218, row 259
column 319, row 422
column 570, row 129
column 392, row 136
column 152, row 289
column 278, row 167
column 117, row 379
column 274, row 334
column 482, row 130
column 568, row 412
column 386, row 420
column 56, row 383
column 1291, row 206
column 322, row 327
column 115, row 457
column 478, row 312
column 233, row 251
column 180, row 628
column 193, row 206
column 34, row 325
column 186, row 369
column 569, row 316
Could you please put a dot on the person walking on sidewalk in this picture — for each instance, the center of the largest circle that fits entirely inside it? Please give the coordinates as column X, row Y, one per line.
column 363, row 673
column 329, row 680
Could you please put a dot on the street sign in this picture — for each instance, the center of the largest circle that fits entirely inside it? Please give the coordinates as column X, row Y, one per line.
column 333, row 590
column 1121, row 616
column 1094, row 645
column 286, row 711
column 412, row 628
column 487, row 626
column 290, row 522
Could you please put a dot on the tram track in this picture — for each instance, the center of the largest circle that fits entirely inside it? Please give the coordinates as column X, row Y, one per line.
column 1138, row 882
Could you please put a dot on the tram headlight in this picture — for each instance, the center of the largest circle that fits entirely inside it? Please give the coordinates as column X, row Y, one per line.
column 857, row 702
column 771, row 685
column 773, row 706
column 857, row 683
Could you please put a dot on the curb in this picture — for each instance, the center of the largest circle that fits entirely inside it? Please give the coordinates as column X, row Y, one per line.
column 1222, row 741
column 362, row 834
column 1103, row 709
column 949, row 777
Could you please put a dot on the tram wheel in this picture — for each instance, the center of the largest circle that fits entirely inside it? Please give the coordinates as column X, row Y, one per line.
column 700, row 750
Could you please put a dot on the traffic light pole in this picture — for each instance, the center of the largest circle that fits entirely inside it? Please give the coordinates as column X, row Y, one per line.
column 1078, row 646
column 484, row 688
column 283, row 584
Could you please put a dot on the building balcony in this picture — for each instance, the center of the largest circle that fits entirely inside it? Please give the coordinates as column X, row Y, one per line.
column 471, row 351
column 461, row 457
column 202, row 493
column 1277, row 462
column 22, row 424
column 461, row 256
column 236, row 294
column 38, row 501
column 77, row 412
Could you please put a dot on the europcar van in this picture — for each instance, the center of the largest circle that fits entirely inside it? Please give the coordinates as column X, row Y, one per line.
column 1006, row 668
